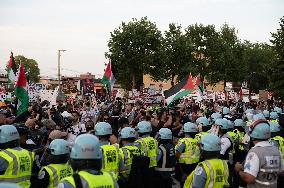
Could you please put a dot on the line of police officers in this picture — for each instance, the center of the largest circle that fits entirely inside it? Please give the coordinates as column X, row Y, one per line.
column 220, row 155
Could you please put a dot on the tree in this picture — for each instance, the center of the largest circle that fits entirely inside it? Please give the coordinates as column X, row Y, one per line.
column 175, row 56
column 277, row 67
column 229, row 64
column 31, row 68
column 257, row 59
column 204, row 40
column 133, row 47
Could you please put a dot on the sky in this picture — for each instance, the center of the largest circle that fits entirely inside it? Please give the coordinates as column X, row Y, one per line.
column 38, row 28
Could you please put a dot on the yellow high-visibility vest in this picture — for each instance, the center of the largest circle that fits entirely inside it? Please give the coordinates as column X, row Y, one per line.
column 20, row 166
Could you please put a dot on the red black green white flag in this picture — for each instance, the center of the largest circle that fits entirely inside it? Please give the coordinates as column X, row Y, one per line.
column 108, row 78
column 183, row 88
column 12, row 70
column 199, row 84
column 21, row 92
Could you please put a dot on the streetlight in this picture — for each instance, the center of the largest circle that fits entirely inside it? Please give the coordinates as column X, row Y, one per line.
column 59, row 80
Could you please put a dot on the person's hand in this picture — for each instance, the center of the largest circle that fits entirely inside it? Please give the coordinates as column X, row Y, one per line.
column 48, row 112
column 30, row 109
column 238, row 167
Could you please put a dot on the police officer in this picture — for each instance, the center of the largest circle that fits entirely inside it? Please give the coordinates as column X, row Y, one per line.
column 278, row 141
column 203, row 127
column 212, row 172
column 111, row 158
column 242, row 146
column 273, row 117
column 263, row 161
column 166, row 158
column 86, row 160
column 147, row 144
column 187, row 150
column 128, row 151
column 59, row 168
column 266, row 114
column 15, row 163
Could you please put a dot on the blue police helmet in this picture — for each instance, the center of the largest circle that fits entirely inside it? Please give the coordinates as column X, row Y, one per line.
column 223, row 123
column 190, row 128
column 216, row 116
column 86, row 146
column 249, row 111
column 59, row 147
column 258, row 116
column 274, row 127
column 165, row 134
column 278, row 110
column 210, row 142
column 265, row 113
column 102, row 129
column 8, row 133
column 273, row 115
column 239, row 123
column 144, row 127
column 225, row 110
column 202, row 120
column 260, row 129
column 127, row 132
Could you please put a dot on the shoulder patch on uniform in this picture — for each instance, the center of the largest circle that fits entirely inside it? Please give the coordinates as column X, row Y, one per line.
column 198, row 171
column 41, row 175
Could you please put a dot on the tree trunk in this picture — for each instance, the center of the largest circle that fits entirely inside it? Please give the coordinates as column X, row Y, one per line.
column 133, row 81
column 172, row 80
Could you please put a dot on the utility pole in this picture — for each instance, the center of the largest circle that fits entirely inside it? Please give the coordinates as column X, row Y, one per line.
column 59, row 78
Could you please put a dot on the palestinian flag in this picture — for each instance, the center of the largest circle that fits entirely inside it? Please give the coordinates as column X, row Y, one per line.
column 12, row 70
column 199, row 84
column 183, row 88
column 108, row 78
column 21, row 92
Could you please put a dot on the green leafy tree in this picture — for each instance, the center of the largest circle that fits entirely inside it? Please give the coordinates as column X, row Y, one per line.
column 257, row 58
column 229, row 64
column 133, row 47
column 31, row 67
column 204, row 39
column 277, row 67
column 175, row 56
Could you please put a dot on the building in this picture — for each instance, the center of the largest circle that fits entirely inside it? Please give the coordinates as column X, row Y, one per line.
column 147, row 81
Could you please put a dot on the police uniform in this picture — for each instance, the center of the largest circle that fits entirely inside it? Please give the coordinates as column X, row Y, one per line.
column 16, row 166
column 278, row 141
column 112, row 161
column 149, row 148
column 127, row 153
column 90, row 178
column 166, row 164
column 189, row 158
column 51, row 174
column 263, row 162
column 209, row 173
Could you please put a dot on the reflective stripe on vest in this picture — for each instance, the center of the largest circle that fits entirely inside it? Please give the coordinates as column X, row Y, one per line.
column 191, row 153
column 19, row 166
column 104, row 180
column 265, row 183
column 163, row 168
column 57, row 172
column 280, row 142
column 55, row 175
column 15, row 180
column 213, row 180
column 15, row 166
column 111, row 159
column 149, row 147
